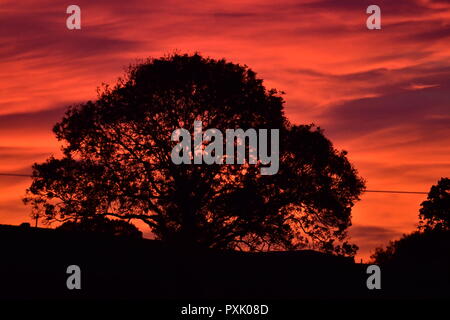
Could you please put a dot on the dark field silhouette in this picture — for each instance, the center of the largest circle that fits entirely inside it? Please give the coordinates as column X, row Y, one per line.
column 118, row 267
column 35, row 260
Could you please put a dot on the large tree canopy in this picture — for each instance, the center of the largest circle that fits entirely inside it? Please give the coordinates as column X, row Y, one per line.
column 117, row 163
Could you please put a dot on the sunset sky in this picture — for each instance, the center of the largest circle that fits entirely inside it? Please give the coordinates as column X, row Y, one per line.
column 382, row 95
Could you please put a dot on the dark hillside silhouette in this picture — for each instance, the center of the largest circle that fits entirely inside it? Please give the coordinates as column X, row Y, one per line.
column 35, row 261
column 117, row 163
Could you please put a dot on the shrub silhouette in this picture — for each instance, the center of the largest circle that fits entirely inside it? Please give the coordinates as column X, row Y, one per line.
column 415, row 248
column 117, row 163
column 101, row 224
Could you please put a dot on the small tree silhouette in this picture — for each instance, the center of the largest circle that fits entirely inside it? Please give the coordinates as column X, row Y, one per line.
column 431, row 238
column 117, row 163
column 435, row 211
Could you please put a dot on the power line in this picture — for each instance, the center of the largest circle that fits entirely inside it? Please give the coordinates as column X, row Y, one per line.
column 397, row 191
column 15, row 175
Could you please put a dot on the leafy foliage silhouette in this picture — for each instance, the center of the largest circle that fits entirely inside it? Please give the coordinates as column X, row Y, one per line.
column 101, row 224
column 117, row 163
column 428, row 249
column 435, row 211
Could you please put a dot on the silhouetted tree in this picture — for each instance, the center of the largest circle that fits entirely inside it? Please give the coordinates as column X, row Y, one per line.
column 101, row 224
column 432, row 239
column 435, row 211
column 117, row 163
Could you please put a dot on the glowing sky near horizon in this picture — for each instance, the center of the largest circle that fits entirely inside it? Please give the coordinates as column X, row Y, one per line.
column 382, row 95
